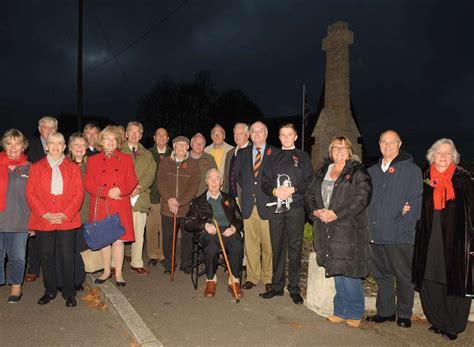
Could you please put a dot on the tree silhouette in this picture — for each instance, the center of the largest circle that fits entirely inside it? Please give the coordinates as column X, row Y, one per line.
column 187, row 107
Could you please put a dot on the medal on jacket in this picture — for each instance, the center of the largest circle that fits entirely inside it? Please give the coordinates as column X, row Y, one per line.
column 296, row 161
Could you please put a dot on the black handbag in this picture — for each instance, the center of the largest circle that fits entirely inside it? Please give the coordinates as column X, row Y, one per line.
column 101, row 233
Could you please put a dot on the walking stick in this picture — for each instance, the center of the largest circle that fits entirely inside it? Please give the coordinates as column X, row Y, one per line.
column 173, row 249
column 231, row 276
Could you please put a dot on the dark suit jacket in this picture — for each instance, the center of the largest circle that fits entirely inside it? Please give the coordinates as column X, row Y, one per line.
column 251, row 190
column 35, row 150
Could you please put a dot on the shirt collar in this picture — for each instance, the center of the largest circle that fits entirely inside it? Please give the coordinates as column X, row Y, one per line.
column 208, row 195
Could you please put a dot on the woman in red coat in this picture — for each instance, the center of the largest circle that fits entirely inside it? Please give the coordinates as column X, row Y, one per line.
column 55, row 198
column 112, row 171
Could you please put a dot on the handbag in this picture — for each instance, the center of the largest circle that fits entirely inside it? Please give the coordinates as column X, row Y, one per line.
column 101, row 233
column 92, row 261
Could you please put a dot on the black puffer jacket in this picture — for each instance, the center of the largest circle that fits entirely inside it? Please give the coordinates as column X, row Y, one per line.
column 200, row 213
column 342, row 246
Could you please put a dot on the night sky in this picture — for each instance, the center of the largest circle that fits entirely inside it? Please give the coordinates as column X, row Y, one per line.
column 412, row 62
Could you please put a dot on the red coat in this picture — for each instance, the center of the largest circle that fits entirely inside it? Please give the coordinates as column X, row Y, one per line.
column 41, row 201
column 115, row 171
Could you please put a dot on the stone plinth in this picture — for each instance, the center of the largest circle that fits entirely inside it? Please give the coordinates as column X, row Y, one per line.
column 320, row 291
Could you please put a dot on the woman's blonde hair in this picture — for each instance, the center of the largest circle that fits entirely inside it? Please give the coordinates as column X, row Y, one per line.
column 345, row 142
column 14, row 134
column 109, row 129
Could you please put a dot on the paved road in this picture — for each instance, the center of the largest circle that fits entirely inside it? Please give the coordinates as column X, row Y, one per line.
column 29, row 324
column 180, row 316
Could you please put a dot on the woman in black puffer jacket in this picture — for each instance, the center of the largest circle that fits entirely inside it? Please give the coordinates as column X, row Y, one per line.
column 337, row 202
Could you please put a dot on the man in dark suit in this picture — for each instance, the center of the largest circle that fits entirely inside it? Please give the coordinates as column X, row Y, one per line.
column 250, row 164
column 36, row 151
column 91, row 132
column 241, row 139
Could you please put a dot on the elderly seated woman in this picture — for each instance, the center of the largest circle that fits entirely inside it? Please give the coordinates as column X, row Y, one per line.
column 216, row 205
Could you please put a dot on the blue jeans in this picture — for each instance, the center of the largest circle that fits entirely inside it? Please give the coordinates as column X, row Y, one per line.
column 13, row 245
column 349, row 301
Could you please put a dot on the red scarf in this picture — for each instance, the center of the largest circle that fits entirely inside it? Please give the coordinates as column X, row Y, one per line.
column 5, row 164
column 443, row 186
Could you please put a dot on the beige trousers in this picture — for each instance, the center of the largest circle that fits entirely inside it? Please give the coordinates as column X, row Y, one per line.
column 154, row 235
column 139, row 220
column 258, row 249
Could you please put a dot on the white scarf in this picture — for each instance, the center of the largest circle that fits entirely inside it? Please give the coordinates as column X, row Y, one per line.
column 56, row 178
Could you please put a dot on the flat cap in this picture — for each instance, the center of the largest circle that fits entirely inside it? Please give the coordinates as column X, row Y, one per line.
column 181, row 139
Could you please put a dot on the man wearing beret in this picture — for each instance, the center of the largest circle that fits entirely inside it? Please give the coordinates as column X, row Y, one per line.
column 178, row 181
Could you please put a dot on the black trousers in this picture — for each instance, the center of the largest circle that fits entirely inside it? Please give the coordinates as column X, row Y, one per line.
column 286, row 232
column 79, row 272
column 186, row 242
column 234, row 247
column 446, row 312
column 33, row 256
column 60, row 244
column 391, row 267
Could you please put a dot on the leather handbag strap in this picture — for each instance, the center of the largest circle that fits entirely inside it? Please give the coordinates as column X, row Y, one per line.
column 97, row 200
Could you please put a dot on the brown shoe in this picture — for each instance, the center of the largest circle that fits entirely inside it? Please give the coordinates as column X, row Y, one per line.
column 31, row 277
column 140, row 270
column 210, row 290
column 238, row 291
column 353, row 323
column 335, row 319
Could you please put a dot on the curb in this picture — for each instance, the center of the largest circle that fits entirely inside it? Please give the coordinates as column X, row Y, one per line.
column 120, row 306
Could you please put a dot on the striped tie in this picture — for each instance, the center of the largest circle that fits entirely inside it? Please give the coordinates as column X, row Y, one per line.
column 258, row 162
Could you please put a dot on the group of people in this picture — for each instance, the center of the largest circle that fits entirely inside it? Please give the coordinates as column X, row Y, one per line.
column 411, row 231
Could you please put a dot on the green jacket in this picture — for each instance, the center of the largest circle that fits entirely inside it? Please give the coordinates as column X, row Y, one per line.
column 145, row 169
column 84, row 211
column 155, row 196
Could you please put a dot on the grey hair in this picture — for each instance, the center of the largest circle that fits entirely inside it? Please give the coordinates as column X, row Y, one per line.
column 212, row 169
column 195, row 136
column 57, row 136
column 47, row 119
column 242, row 125
column 434, row 147
column 135, row 124
column 265, row 129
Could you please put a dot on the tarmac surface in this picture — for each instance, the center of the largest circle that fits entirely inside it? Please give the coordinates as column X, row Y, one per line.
column 152, row 311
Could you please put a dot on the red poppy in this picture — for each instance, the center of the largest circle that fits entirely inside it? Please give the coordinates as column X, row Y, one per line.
column 295, row 158
column 226, row 203
column 184, row 165
column 348, row 177
column 269, row 151
column 391, row 169
column 434, row 183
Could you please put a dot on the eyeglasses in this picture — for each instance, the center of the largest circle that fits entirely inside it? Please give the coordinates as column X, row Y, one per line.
column 340, row 148
column 217, row 132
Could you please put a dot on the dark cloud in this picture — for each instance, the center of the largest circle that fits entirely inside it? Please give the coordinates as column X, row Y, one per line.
column 411, row 62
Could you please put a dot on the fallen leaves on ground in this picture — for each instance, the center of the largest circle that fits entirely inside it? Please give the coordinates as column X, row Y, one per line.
column 94, row 299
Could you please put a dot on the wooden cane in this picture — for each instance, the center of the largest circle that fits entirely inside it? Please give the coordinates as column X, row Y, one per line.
column 231, row 276
column 173, row 248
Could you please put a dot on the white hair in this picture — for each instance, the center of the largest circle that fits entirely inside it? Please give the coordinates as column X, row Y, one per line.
column 444, row 141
